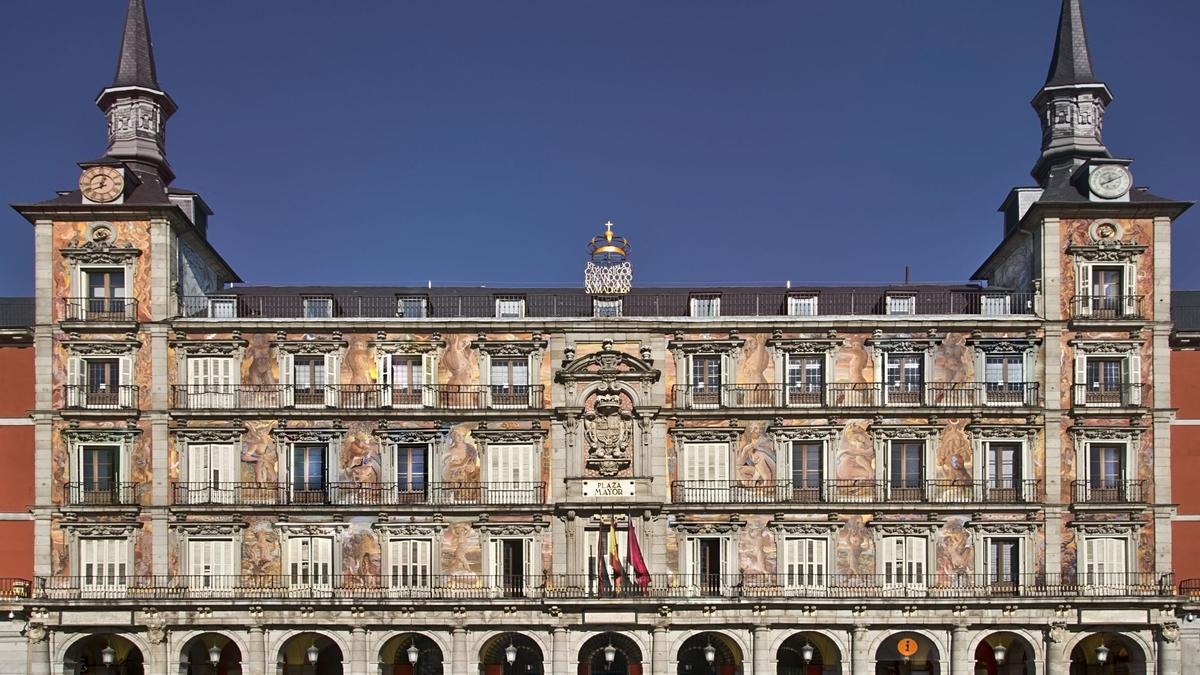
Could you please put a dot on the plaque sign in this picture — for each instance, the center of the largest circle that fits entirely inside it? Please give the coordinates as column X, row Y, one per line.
column 608, row 488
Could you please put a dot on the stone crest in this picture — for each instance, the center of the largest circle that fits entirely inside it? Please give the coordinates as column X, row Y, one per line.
column 608, row 429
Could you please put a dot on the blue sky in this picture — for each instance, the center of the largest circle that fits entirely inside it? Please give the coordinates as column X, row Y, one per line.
column 366, row 142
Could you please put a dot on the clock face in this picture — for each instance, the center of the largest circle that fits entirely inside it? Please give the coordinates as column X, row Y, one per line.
column 102, row 184
column 1110, row 181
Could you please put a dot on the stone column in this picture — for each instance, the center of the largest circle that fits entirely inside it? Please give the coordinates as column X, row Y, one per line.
column 763, row 661
column 860, row 659
column 961, row 662
column 38, row 656
column 559, row 658
column 659, row 658
column 1170, row 651
column 1058, row 662
column 254, row 663
column 360, row 660
column 459, row 661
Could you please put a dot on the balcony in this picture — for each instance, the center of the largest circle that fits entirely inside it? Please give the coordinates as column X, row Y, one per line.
column 1119, row 395
column 657, row 587
column 858, row 395
column 356, row 397
column 100, row 310
column 1109, row 491
column 103, row 494
column 88, row 397
column 1107, row 308
column 476, row 302
column 855, row 491
column 359, row 494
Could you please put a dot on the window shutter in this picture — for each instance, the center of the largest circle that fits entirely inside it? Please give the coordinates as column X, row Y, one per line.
column 429, row 380
column 1129, row 277
column 383, row 366
column 1084, row 291
column 1134, row 379
column 75, row 380
column 322, row 560
column 1081, row 389
column 125, row 396
column 496, row 563
column 916, row 560
column 331, row 380
column 287, row 378
column 528, row 559
column 198, row 463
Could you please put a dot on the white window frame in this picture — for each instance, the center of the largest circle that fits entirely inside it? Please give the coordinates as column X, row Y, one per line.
column 998, row 400
column 915, row 553
column 402, row 300
column 995, row 304
column 785, row 463
column 985, row 559
column 427, row 385
column 78, row 393
column 391, row 465
column 118, row 558
column 802, row 305
column 1110, row 574
column 332, row 375
column 1020, row 471
column 689, row 562
column 901, row 304
column 510, row 306
column 287, row 468
column 411, row 570
column 511, row 473
column 722, row 374
column 803, row 561
column 224, row 568
column 707, row 466
column 531, row 374
column 493, row 549
column 705, row 305
column 200, row 456
column 121, row 454
column 297, row 577
column 887, row 359
column 81, row 278
column 317, row 306
column 1131, row 378
column 824, row 360
column 1086, row 293
column 209, row 388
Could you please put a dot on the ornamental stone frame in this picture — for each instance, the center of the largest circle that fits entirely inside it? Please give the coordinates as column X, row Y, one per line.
column 388, row 530
column 782, row 437
column 390, row 439
column 982, row 433
column 884, row 434
column 782, row 348
column 1127, row 436
column 123, row 438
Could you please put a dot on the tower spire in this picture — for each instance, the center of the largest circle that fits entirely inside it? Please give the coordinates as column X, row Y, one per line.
column 1072, row 102
column 136, row 106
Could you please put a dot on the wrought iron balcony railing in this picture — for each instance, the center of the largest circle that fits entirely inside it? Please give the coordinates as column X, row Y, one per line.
column 481, row 303
column 359, row 494
column 103, row 494
column 653, row 587
column 1109, row 491
column 1106, row 307
column 854, row 491
column 100, row 397
column 1121, row 395
column 858, row 395
column 356, row 397
column 100, row 310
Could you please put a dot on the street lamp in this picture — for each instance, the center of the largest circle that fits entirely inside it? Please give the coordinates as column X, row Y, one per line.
column 806, row 652
column 312, row 653
column 510, row 653
column 710, row 653
column 108, row 655
column 413, row 653
column 610, row 653
column 1000, row 652
column 1102, row 654
column 214, row 655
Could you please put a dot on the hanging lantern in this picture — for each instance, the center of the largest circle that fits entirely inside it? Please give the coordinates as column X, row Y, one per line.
column 1000, row 652
column 413, row 654
column 214, row 655
column 108, row 655
column 610, row 653
column 807, row 653
column 510, row 654
column 1102, row 654
column 710, row 653
column 313, row 654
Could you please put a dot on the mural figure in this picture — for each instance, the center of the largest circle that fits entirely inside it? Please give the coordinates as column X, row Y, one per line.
column 608, row 429
column 258, row 365
column 460, row 461
column 459, row 362
column 954, row 453
column 359, row 459
column 358, row 364
column 855, row 456
column 955, row 552
column 461, row 551
column 756, row 362
column 361, row 557
column 260, row 552
column 855, row 548
column 755, row 459
column 259, row 453
column 756, row 547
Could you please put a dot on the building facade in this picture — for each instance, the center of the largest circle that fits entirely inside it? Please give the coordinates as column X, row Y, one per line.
column 957, row 479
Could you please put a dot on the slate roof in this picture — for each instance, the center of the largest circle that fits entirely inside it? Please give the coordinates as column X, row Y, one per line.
column 1072, row 61
column 16, row 312
column 1185, row 311
column 135, row 66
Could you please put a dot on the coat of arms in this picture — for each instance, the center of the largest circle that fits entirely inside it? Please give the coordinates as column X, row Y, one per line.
column 609, row 432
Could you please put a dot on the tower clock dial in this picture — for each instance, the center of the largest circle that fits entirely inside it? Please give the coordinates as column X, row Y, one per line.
column 1110, row 181
column 102, row 184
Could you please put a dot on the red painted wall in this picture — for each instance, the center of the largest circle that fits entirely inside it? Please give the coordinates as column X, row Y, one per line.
column 16, row 461
column 1185, row 462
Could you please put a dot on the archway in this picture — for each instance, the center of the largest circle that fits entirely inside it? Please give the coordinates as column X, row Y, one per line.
column 510, row 654
column 397, row 656
column 594, row 655
column 709, row 654
column 907, row 654
column 211, row 654
column 104, row 655
column 1107, row 654
column 1004, row 654
column 309, row 654
column 808, row 654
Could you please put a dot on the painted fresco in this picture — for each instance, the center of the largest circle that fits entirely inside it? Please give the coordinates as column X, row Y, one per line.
column 954, row 550
column 954, row 452
column 953, row 360
column 358, row 363
column 460, row 363
column 460, row 459
column 1145, row 546
column 260, row 458
column 359, row 458
column 173, row 468
column 755, row 366
column 140, row 470
column 754, row 461
column 854, row 458
column 1069, row 552
column 462, row 551
column 1136, row 231
column 853, row 361
column 125, row 235
column 361, row 553
column 1144, row 460
column 60, row 553
column 1066, row 460
column 60, row 463
column 261, row 551
column 854, row 547
column 143, row 548
column 756, row 546
column 259, row 365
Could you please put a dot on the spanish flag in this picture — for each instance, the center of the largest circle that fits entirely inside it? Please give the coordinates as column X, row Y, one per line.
column 614, row 558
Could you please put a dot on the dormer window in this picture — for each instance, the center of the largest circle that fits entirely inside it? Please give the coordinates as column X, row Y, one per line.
column 410, row 307
column 802, row 305
column 510, row 307
column 706, row 306
column 901, row 305
column 318, row 307
column 606, row 307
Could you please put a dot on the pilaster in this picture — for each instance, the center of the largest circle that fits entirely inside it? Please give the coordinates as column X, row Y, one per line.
column 860, row 663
